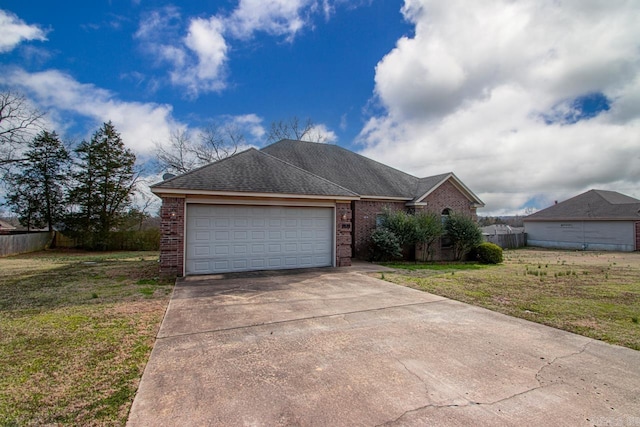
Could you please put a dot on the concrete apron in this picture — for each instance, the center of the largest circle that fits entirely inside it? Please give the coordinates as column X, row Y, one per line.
column 327, row 347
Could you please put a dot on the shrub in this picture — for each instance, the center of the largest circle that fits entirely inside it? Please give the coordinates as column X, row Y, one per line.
column 401, row 224
column 384, row 245
column 464, row 234
column 489, row 253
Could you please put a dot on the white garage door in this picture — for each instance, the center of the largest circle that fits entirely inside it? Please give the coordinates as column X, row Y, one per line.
column 223, row 238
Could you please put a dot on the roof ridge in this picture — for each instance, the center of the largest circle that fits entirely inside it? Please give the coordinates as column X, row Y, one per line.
column 306, row 171
column 344, row 149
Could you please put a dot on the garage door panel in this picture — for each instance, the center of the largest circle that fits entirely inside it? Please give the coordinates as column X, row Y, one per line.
column 240, row 235
column 202, row 222
column 275, row 263
column 257, row 264
column 221, row 222
column 221, row 235
column 258, row 235
column 222, row 250
column 291, row 235
column 222, row 238
column 275, row 248
column 202, row 251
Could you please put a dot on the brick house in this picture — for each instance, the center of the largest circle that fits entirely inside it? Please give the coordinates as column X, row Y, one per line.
column 292, row 204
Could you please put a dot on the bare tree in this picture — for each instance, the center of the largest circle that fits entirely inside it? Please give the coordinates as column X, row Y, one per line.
column 19, row 122
column 294, row 129
column 175, row 156
column 215, row 142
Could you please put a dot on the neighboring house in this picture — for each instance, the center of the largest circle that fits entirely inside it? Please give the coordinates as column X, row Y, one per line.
column 5, row 227
column 292, row 204
column 595, row 220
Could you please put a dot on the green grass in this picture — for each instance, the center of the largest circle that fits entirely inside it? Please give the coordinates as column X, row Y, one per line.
column 589, row 293
column 76, row 330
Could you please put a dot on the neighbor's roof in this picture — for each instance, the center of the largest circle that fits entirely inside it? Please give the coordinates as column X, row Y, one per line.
column 252, row 171
column 4, row 225
column 590, row 206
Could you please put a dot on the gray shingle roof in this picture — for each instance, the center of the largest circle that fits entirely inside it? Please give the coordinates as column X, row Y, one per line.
column 253, row 171
column 309, row 168
column 346, row 168
column 592, row 205
column 425, row 185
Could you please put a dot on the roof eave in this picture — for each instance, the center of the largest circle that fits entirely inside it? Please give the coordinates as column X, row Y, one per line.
column 181, row 191
column 460, row 185
column 582, row 219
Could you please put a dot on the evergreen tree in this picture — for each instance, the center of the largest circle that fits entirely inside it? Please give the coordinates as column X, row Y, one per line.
column 104, row 182
column 36, row 190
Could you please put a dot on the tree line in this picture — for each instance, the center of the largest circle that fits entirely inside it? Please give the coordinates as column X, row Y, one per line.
column 85, row 192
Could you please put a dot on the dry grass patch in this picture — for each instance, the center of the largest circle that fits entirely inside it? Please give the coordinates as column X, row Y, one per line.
column 76, row 332
column 596, row 294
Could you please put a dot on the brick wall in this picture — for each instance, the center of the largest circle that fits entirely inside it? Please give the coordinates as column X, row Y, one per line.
column 448, row 196
column 343, row 234
column 364, row 222
column 445, row 196
column 637, row 236
column 172, row 236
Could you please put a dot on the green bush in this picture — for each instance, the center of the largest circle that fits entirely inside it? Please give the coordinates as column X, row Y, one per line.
column 489, row 253
column 384, row 245
column 464, row 234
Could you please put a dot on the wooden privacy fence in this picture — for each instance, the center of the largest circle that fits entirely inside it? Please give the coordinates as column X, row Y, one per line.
column 12, row 244
column 507, row 241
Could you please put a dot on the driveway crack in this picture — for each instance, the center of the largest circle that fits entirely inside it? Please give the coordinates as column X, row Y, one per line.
column 541, row 385
column 559, row 358
column 298, row 319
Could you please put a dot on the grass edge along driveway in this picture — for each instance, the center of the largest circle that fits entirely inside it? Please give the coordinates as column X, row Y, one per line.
column 595, row 294
column 76, row 330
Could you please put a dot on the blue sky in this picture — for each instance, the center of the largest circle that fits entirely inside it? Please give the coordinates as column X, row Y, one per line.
column 527, row 102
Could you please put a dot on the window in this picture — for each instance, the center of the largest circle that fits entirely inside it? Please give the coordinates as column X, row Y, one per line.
column 379, row 220
column 445, row 240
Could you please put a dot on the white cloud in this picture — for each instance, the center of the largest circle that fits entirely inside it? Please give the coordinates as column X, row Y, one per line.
column 205, row 40
column 199, row 52
column 140, row 124
column 471, row 90
column 275, row 17
column 321, row 133
column 250, row 124
column 14, row 31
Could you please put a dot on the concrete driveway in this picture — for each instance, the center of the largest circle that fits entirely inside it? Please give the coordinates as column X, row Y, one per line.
column 333, row 347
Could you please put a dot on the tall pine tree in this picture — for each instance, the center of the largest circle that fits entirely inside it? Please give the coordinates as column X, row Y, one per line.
column 104, row 182
column 36, row 190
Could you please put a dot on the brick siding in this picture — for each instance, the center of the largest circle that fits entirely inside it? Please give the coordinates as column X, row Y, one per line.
column 172, row 236
column 446, row 196
column 637, row 236
column 364, row 222
column 343, row 234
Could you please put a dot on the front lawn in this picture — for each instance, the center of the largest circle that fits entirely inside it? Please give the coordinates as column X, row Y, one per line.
column 76, row 330
column 596, row 294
